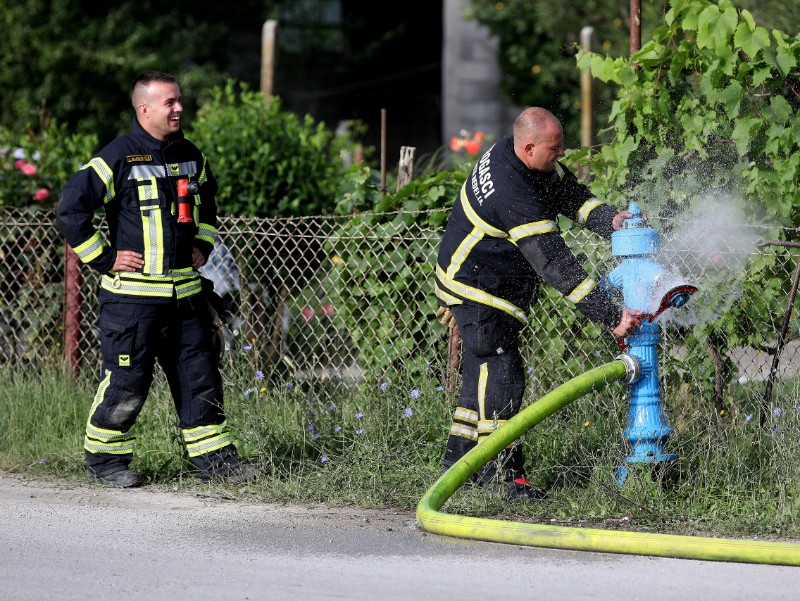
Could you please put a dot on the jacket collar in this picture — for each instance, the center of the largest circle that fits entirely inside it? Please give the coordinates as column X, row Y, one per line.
column 138, row 131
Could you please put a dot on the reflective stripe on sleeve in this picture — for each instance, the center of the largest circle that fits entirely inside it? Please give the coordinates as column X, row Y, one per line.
column 533, row 229
column 91, row 249
column 582, row 290
column 586, row 208
column 105, row 174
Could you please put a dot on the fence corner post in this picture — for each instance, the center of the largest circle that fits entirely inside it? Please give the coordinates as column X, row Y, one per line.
column 73, row 298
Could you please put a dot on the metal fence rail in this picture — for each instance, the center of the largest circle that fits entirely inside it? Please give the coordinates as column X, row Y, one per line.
column 351, row 298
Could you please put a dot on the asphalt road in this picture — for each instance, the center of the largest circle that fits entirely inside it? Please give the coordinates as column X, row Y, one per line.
column 76, row 542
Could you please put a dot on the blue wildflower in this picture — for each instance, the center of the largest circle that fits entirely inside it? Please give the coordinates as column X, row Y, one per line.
column 359, row 431
column 414, row 393
column 440, row 388
column 289, row 386
column 408, row 412
column 310, row 428
column 331, row 407
column 385, row 385
column 777, row 412
column 359, row 415
column 324, row 458
column 337, row 428
column 259, row 375
column 247, row 347
column 248, row 392
column 747, row 418
column 316, row 436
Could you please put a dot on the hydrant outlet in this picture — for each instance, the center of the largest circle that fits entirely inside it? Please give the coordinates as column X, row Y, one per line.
column 633, row 367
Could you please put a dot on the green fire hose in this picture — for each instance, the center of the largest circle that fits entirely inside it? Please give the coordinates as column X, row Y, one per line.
column 582, row 539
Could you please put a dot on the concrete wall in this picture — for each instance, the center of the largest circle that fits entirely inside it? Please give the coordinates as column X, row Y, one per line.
column 471, row 78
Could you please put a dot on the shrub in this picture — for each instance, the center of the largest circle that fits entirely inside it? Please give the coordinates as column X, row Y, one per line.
column 268, row 162
column 35, row 166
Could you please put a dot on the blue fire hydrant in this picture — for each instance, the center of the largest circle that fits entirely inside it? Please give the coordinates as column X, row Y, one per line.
column 647, row 287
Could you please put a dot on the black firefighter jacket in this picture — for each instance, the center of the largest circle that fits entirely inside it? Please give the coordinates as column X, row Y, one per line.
column 502, row 239
column 134, row 178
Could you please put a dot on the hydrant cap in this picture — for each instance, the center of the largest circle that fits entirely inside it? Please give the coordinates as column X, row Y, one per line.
column 636, row 238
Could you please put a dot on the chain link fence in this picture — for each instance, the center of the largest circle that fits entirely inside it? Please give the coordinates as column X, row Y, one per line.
column 350, row 298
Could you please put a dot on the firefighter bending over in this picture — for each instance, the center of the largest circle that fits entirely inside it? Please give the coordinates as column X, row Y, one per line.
column 501, row 242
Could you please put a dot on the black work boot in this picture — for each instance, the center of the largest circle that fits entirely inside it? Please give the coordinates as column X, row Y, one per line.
column 123, row 478
column 226, row 468
column 234, row 474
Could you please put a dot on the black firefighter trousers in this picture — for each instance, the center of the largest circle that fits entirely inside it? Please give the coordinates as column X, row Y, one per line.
column 493, row 384
column 132, row 336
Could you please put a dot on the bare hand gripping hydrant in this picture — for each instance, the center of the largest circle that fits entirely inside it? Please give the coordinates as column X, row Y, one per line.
column 647, row 287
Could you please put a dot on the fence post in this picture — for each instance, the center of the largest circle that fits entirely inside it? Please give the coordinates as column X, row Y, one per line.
column 73, row 298
column 453, row 358
column 405, row 169
column 587, row 109
column 268, row 58
column 383, row 152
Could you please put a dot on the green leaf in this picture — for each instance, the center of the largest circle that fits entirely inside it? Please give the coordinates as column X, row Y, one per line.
column 731, row 98
column 624, row 149
column 749, row 38
column 743, row 132
column 716, row 27
column 780, row 111
column 761, row 75
column 786, row 60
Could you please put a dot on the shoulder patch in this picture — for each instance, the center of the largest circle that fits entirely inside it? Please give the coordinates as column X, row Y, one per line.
column 139, row 158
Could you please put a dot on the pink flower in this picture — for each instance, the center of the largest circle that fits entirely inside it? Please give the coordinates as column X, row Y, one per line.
column 328, row 310
column 28, row 168
column 41, row 194
column 307, row 313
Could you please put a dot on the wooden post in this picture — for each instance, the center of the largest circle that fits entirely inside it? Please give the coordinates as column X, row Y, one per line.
column 405, row 169
column 586, row 91
column 383, row 152
column 453, row 358
column 73, row 298
column 267, row 58
column 636, row 25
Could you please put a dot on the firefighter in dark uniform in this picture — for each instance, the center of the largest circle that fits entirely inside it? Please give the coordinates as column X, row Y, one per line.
column 150, row 302
column 501, row 242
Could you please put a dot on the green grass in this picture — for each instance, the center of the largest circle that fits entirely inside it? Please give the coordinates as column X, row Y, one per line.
column 378, row 444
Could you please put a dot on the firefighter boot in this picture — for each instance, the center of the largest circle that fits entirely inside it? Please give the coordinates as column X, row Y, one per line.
column 123, row 478
column 224, row 466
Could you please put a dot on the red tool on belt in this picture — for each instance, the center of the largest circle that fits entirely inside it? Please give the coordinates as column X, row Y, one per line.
column 185, row 187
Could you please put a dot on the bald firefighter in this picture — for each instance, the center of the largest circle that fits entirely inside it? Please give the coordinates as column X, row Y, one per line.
column 501, row 243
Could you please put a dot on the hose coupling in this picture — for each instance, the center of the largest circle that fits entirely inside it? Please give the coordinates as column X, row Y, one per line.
column 632, row 366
